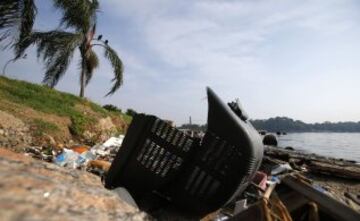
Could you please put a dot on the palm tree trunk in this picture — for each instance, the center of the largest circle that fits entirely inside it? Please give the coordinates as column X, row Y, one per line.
column 83, row 69
column 82, row 82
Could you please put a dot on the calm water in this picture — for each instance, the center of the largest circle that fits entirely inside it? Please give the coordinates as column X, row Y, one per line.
column 338, row 145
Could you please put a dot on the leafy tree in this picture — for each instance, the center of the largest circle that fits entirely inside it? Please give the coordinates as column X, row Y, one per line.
column 290, row 125
column 57, row 47
column 16, row 20
column 112, row 108
column 131, row 112
column 285, row 124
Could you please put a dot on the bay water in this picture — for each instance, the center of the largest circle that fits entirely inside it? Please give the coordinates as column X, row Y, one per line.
column 337, row 145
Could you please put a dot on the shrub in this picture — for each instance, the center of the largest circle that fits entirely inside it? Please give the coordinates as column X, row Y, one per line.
column 79, row 123
column 112, row 108
column 131, row 112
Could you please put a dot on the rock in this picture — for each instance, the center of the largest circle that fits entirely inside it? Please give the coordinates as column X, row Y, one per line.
column 50, row 140
column 89, row 137
column 13, row 132
column 105, row 124
column 105, row 128
column 35, row 190
column 262, row 132
column 14, row 142
column 289, row 148
column 9, row 121
column 270, row 139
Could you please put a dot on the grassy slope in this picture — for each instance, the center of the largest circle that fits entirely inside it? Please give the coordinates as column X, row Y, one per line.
column 44, row 108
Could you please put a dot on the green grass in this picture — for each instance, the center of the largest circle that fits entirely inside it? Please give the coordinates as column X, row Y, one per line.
column 127, row 118
column 79, row 123
column 47, row 100
column 97, row 108
column 40, row 127
column 43, row 98
column 39, row 97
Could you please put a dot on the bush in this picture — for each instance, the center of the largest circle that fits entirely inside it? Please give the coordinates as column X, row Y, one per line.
column 79, row 123
column 131, row 112
column 112, row 108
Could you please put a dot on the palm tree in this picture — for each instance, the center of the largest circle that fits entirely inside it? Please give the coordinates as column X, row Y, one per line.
column 57, row 47
column 16, row 20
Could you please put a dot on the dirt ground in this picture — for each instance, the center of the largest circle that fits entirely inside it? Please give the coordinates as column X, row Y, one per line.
column 31, row 190
column 338, row 187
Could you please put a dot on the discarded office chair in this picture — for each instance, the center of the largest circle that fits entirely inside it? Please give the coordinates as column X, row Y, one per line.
column 224, row 164
column 202, row 176
column 152, row 154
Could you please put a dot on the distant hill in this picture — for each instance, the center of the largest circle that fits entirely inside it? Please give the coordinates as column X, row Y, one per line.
column 285, row 124
column 290, row 125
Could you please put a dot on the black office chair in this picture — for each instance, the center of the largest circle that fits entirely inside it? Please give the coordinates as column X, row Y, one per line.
column 197, row 177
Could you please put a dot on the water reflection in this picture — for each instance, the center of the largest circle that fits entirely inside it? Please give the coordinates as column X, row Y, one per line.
column 339, row 145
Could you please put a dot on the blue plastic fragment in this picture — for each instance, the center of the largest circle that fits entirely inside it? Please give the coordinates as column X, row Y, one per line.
column 60, row 159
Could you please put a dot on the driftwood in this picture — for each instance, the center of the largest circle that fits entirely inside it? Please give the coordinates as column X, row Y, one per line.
column 315, row 163
column 334, row 208
column 352, row 172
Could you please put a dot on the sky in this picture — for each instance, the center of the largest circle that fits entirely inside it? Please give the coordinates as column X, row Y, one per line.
column 299, row 59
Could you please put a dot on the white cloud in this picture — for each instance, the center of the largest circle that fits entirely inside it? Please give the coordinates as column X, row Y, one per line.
column 247, row 48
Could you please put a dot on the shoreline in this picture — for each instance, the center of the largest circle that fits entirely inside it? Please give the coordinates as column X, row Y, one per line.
column 338, row 178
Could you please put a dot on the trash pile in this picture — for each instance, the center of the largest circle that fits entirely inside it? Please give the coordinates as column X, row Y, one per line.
column 226, row 175
column 257, row 197
column 280, row 192
column 96, row 159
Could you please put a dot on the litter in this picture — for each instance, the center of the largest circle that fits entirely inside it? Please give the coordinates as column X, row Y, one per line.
column 88, row 155
column 107, row 150
column 46, row 194
column 260, row 179
column 71, row 159
column 79, row 156
column 273, row 179
column 114, row 141
column 221, row 217
column 281, row 169
column 41, row 153
column 68, row 158
column 79, row 148
column 240, row 206
column 98, row 167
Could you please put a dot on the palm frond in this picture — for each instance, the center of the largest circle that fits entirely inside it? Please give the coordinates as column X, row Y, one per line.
column 117, row 66
column 92, row 62
column 16, row 19
column 28, row 13
column 49, row 42
column 56, row 48
column 57, row 67
column 79, row 14
column 9, row 13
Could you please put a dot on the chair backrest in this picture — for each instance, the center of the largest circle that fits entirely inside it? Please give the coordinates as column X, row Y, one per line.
column 224, row 164
column 197, row 177
column 152, row 154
